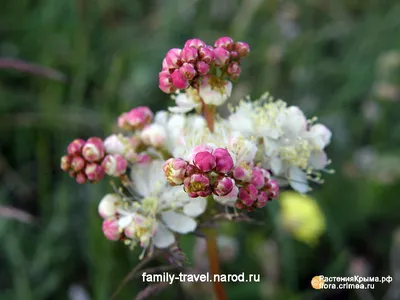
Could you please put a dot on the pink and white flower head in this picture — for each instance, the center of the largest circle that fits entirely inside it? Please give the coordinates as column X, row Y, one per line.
column 114, row 145
column 215, row 91
column 114, row 165
column 75, row 147
column 93, row 150
column 136, row 118
column 223, row 186
column 224, row 161
column 108, row 205
column 94, row 172
column 175, row 170
column 197, row 185
column 111, row 230
column 154, row 135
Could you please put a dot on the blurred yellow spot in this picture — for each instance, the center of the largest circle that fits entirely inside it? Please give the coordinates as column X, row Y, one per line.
column 317, row 282
column 301, row 217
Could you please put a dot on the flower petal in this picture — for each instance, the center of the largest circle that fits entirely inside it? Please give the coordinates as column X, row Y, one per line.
column 163, row 238
column 125, row 221
column 178, row 222
column 195, row 207
column 298, row 180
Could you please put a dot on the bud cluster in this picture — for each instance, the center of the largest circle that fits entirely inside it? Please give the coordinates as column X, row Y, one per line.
column 182, row 68
column 136, row 118
column 212, row 171
column 87, row 161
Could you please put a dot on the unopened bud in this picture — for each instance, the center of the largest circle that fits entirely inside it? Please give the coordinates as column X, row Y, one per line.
column 179, row 81
column 224, row 42
column 175, row 170
column 75, row 147
column 242, row 173
column 187, row 70
column 80, row 178
column 224, row 161
column 94, row 172
column 248, row 194
column 111, row 230
column 234, row 70
column 114, row 165
column 221, row 56
column 197, row 185
column 139, row 117
column 108, row 205
column 204, row 161
column 77, row 163
column 93, row 150
column 242, row 48
column 258, row 179
column 189, row 54
column 173, row 58
column 206, row 54
column 65, row 163
column 223, row 186
column 202, row 68
column 195, row 43
column 114, row 145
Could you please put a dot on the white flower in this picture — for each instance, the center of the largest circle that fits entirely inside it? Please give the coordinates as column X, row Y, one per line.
column 154, row 135
column 320, row 136
column 186, row 101
column 162, row 209
column 114, row 145
column 214, row 91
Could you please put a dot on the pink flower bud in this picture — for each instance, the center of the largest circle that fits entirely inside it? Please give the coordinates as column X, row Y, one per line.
column 93, row 150
column 154, row 135
column 204, row 161
column 242, row 48
column 242, row 173
column 122, row 122
column 224, row 160
column 65, row 163
column 77, row 163
column 221, row 57
column 257, row 178
column 190, row 170
column 197, row 185
column 202, row 68
column 262, row 199
column 165, row 65
column 248, row 194
column 94, row 172
column 195, row 43
column 108, row 205
column 273, row 189
column 187, row 70
column 197, row 149
column 111, row 230
column 80, row 178
column 228, row 199
column 234, row 70
column 233, row 55
column 173, row 58
column 206, row 54
column 114, row 165
column 75, row 147
column 224, row 42
column 175, row 170
column 143, row 158
column 165, row 84
column 179, row 81
column 139, row 117
column 223, row 186
column 189, row 54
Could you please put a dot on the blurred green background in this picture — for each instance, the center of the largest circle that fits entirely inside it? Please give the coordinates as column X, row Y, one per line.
column 338, row 60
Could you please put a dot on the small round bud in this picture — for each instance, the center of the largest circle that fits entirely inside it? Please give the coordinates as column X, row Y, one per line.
column 202, row 68
column 234, row 70
column 206, row 54
column 108, row 205
column 179, row 81
column 242, row 173
column 221, row 56
column 77, row 164
column 189, row 54
column 274, row 189
column 114, row 145
column 187, row 70
column 65, row 163
column 197, row 185
column 139, row 117
column 224, row 42
column 195, row 43
column 175, row 170
column 248, row 194
column 242, row 49
column 94, row 172
column 262, row 199
column 165, row 84
column 111, row 230
column 114, row 165
column 93, row 150
column 173, row 58
column 224, row 161
column 80, row 178
column 234, row 55
column 258, row 179
column 204, row 161
column 228, row 199
column 75, row 147
column 223, row 186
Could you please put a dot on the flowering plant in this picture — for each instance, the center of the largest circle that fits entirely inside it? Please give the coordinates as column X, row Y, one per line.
column 179, row 173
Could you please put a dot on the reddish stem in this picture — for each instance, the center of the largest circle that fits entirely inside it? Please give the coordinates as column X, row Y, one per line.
column 213, row 259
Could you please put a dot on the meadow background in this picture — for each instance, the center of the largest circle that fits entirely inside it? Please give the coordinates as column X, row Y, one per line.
column 339, row 60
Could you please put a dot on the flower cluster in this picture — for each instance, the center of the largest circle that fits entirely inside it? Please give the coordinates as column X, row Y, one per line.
column 174, row 167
